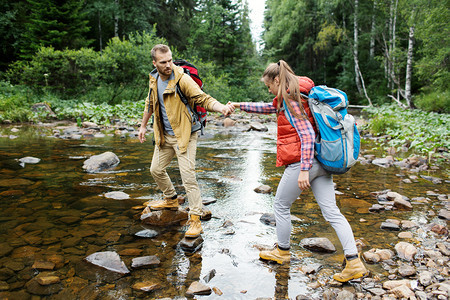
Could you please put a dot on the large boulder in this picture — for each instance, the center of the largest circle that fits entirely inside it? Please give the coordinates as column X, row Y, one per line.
column 318, row 245
column 98, row 163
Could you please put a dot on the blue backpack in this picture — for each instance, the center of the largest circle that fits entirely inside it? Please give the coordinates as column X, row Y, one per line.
column 337, row 144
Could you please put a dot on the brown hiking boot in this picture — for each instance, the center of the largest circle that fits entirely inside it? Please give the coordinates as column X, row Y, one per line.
column 354, row 268
column 167, row 203
column 277, row 255
column 195, row 227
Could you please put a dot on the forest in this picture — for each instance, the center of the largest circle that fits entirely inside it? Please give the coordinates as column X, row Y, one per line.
column 97, row 52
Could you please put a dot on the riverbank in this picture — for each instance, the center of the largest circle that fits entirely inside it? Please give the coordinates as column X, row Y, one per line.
column 399, row 215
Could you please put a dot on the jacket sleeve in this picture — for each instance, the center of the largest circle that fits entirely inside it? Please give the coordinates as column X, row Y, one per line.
column 148, row 103
column 194, row 93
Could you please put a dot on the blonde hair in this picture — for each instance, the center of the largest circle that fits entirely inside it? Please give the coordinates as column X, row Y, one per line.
column 289, row 88
column 159, row 47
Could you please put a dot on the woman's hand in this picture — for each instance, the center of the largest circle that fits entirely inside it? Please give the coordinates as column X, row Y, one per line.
column 234, row 104
column 303, row 180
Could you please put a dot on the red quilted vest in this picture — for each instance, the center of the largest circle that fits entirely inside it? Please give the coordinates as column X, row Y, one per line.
column 288, row 141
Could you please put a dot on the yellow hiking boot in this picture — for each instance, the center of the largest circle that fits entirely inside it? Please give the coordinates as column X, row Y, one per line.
column 195, row 227
column 277, row 255
column 354, row 268
column 167, row 203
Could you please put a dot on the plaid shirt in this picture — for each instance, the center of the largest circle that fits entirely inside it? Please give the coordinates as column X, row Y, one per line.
column 302, row 126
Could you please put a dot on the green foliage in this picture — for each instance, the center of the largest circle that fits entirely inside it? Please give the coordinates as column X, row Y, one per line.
column 14, row 103
column 425, row 131
column 436, row 101
column 120, row 72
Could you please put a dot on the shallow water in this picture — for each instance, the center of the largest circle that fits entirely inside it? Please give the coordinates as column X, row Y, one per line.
column 60, row 214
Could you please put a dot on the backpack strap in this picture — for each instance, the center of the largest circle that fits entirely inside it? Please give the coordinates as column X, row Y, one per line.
column 325, row 111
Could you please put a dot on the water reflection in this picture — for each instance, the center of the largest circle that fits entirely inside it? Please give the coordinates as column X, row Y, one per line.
column 53, row 211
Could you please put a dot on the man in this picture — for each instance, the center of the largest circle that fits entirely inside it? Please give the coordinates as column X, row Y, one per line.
column 172, row 132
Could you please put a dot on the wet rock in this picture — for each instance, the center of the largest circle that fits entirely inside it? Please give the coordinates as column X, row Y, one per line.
column 43, row 265
column 403, row 292
column 33, row 287
column 443, row 213
column 376, row 208
column 434, row 180
column 402, row 204
column 191, row 245
column 6, row 273
column 377, row 255
column 163, row 217
column 311, row 268
column 210, row 276
column 406, row 250
column 217, row 291
column 383, row 162
column 228, row 122
column 439, row 229
column 371, row 257
column 318, row 245
column 390, row 226
column 391, row 284
column 263, row 189
column 108, row 260
column 378, row 292
column 208, row 200
column 145, row 262
column 406, row 270
column 443, row 248
column 197, row 288
column 345, row 295
column 146, row 286
column 4, row 286
column 87, row 124
column 43, row 107
column 425, row 278
column 15, row 182
column 258, row 126
column 29, row 160
column 206, row 214
column 405, row 235
column 147, row 233
column 48, row 279
column 98, row 163
column 117, row 195
column 227, row 224
column 268, row 219
column 5, row 249
column 406, row 224
column 130, row 252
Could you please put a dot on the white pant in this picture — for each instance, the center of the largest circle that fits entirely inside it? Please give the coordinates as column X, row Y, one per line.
column 323, row 189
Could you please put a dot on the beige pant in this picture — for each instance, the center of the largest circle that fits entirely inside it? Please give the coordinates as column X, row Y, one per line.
column 186, row 163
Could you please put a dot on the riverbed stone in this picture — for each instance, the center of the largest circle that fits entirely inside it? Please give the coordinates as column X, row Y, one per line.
column 263, row 189
column 406, row 270
column 15, row 182
column 33, row 287
column 443, row 248
column 405, row 235
column 402, row 204
column 406, row 224
column 43, row 265
column 108, row 260
column 5, row 249
column 145, row 262
column 117, row 195
column 29, row 160
column 98, row 163
column 442, row 214
column 406, row 250
column 146, row 233
column 147, row 286
column 439, row 229
column 191, row 245
column 390, row 226
column 268, row 219
column 198, row 288
column 257, row 126
column 425, row 278
column 318, row 245
column 48, row 279
column 403, row 292
column 163, row 217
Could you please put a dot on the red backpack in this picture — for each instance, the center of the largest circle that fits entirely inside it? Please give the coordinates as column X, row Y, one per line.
column 200, row 112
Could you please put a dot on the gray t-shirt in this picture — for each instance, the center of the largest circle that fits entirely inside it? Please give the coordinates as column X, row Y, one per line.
column 162, row 85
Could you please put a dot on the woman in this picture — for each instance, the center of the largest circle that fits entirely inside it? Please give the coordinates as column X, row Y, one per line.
column 295, row 151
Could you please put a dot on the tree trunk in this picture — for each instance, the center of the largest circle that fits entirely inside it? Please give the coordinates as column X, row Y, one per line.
column 116, row 19
column 373, row 30
column 409, row 67
column 100, row 32
column 355, row 48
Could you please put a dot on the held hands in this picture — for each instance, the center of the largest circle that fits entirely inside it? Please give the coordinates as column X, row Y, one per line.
column 303, row 180
column 227, row 109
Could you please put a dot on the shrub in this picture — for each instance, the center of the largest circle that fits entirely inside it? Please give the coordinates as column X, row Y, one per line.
column 436, row 101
